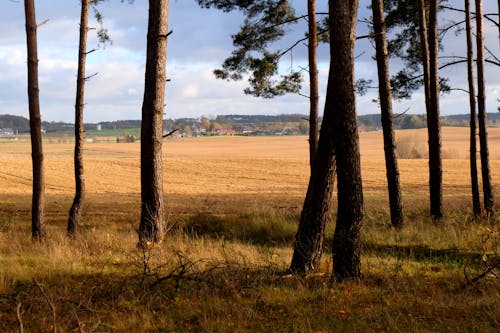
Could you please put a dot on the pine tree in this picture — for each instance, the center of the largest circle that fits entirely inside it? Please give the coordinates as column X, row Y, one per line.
column 38, row 197
column 152, row 225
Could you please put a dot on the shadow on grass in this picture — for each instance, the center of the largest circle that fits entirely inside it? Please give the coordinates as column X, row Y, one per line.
column 235, row 298
column 424, row 253
column 257, row 229
column 187, row 302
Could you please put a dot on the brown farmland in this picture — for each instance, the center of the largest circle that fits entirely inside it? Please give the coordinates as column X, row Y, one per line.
column 231, row 174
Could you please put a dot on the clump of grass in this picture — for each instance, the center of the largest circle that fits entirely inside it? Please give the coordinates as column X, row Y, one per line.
column 5, row 223
column 260, row 229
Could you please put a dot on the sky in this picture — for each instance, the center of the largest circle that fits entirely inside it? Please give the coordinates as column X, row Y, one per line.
column 200, row 42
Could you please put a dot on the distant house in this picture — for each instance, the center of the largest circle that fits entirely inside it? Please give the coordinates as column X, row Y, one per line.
column 198, row 129
column 223, row 131
column 6, row 131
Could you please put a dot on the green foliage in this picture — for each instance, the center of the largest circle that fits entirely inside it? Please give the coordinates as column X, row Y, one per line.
column 265, row 23
column 402, row 18
column 102, row 33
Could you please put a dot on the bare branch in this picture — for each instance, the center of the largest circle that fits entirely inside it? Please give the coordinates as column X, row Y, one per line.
column 396, row 116
column 170, row 133
column 460, row 89
column 90, row 76
column 168, row 34
column 486, row 16
column 19, row 319
column 40, row 24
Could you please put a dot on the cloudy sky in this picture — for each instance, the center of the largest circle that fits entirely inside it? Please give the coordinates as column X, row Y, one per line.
column 200, row 42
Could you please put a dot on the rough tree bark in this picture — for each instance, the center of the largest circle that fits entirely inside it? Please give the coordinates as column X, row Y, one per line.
column 310, row 235
column 75, row 210
column 476, row 202
column 430, row 49
column 38, row 197
column 481, row 108
column 313, row 81
column 433, row 118
column 152, row 225
column 385, row 95
column 341, row 100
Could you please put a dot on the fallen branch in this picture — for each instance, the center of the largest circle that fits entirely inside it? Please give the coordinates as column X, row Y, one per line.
column 19, row 319
column 490, row 270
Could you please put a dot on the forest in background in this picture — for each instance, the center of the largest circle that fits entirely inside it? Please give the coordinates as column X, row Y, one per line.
column 292, row 124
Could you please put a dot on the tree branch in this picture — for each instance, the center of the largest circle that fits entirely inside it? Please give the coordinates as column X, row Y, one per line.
column 170, row 133
column 40, row 24
column 19, row 319
column 90, row 76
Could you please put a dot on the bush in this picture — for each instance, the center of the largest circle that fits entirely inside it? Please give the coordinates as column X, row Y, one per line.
column 408, row 147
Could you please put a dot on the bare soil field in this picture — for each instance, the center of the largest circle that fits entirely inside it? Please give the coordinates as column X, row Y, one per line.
column 214, row 173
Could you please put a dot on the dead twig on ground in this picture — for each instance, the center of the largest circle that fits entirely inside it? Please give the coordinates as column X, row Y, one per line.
column 49, row 301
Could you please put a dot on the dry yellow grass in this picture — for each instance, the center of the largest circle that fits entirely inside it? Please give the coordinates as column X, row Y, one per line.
column 251, row 171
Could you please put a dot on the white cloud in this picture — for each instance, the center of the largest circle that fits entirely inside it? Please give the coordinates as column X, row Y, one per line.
column 190, row 91
column 200, row 42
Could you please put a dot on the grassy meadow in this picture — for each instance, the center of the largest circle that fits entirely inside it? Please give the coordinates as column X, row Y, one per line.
column 232, row 205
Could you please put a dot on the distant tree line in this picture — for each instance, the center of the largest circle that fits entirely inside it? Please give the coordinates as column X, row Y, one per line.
column 260, row 123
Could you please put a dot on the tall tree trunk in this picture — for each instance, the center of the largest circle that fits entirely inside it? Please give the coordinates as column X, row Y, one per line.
column 434, row 167
column 152, row 224
column 476, row 202
column 483, row 132
column 38, row 198
column 385, row 94
column 308, row 245
column 75, row 211
column 309, row 239
column 433, row 118
column 341, row 100
column 313, row 81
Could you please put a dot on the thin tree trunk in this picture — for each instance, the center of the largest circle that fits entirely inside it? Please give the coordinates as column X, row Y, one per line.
column 341, row 100
column 498, row 20
column 424, row 46
column 432, row 121
column 75, row 211
column 152, row 225
column 313, row 81
column 38, row 198
column 476, row 202
column 483, row 132
column 385, row 94
column 309, row 239
column 433, row 118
